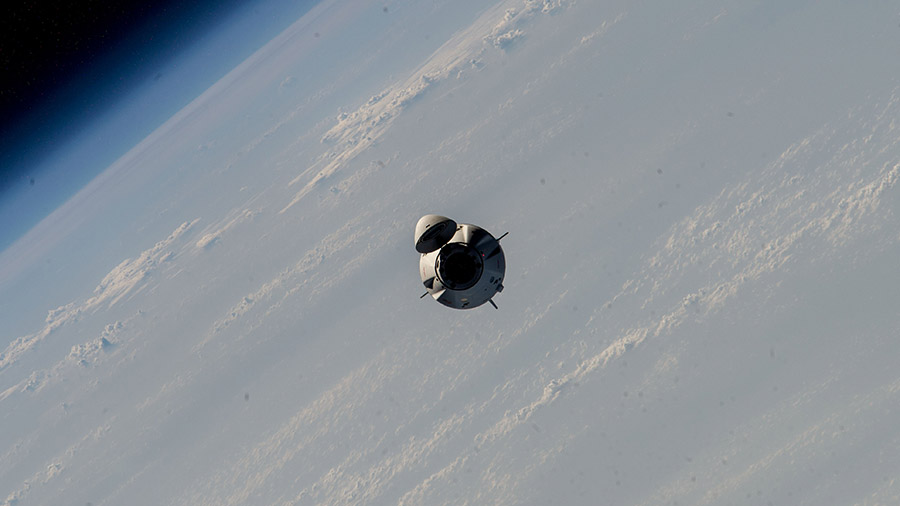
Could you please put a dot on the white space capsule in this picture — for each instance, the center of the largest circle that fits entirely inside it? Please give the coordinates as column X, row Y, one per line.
column 462, row 266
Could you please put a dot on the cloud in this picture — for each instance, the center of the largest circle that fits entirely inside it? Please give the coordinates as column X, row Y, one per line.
column 355, row 131
column 126, row 278
column 211, row 238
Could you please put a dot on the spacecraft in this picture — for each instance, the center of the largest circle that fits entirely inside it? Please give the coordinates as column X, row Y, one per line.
column 462, row 265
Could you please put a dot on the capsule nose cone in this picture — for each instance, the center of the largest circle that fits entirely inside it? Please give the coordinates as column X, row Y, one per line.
column 433, row 231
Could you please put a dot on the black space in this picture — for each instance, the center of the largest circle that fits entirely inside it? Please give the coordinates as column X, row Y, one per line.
column 68, row 58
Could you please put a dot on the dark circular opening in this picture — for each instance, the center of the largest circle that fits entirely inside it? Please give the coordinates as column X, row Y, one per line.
column 459, row 266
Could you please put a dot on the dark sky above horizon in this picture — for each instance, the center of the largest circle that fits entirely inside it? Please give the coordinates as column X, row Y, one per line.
column 71, row 70
column 63, row 59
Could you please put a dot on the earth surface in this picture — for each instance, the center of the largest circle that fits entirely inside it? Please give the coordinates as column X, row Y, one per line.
column 701, row 293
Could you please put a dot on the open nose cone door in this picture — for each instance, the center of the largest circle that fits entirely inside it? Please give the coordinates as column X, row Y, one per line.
column 433, row 231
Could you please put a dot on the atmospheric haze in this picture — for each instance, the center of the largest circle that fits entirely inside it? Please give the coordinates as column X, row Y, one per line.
column 701, row 291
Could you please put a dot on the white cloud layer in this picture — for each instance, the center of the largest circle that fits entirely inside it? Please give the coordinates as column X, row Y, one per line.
column 700, row 303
